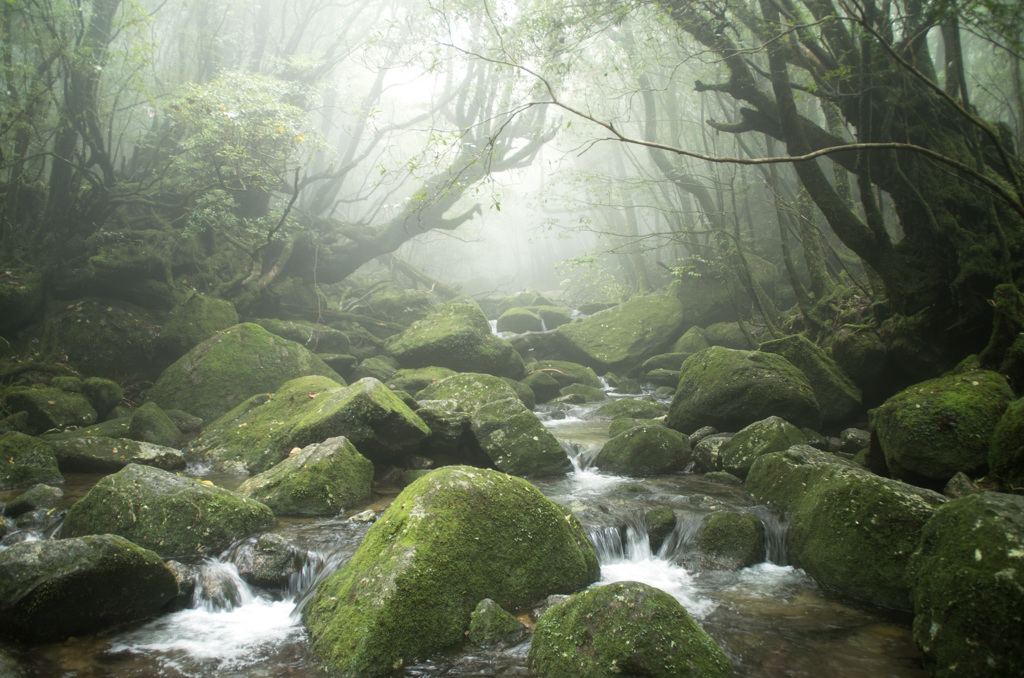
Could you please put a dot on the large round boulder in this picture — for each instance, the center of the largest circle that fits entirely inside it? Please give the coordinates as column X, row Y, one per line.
column 230, row 366
column 264, row 429
column 626, row 628
column 170, row 514
column 194, row 320
column 645, row 450
column 450, row 539
column 935, row 428
column 966, row 584
column 469, row 390
column 53, row 589
column 837, row 395
column 620, row 338
column 319, row 480
column 850, row 529
column 729, row 389
column 457, row 336
column 51, row 408
column 516, row 441
column 762, row 437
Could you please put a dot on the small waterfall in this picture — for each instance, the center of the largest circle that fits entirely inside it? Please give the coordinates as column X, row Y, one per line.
column 775, row 528
column 219, row 586
column 680, row 540
column 303, row 584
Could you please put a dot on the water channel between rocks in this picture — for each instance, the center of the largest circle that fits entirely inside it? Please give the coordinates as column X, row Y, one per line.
column 771, row 619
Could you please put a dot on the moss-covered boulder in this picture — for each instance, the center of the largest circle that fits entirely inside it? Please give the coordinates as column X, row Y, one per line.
column 170, row 514
column 966, row 585
column 837, row 395
column 53, row 589
column 457, row 336
column 103, row 394
column 51, row 408
column 319, row 480
column 315, row 337
column 268, row 560
column 263, row 430
column 729, row 389
column 692, row 341
column 619, row 339
column 35, row 498
column 469, row 390
column 567, row 373
column 231, row 366
column 620, row 425
column 728, row 335
column 1006, row 451
column 415, row 380
column 380, row 367
column 861, row 354
column 589, row 394
column 731, row 540
column 707, row 453
column 543, row 385
column 645, row 450
column 518, row 320
column 104, row 337
column 626, row 628
column 26, row 461
column 635, row 409
column 193, row 321
column 553, row 316
column 452, row 538
column 516, row 441
column 100, row 454
column 660, row 521
column 850, row 529
column 665, row 361
column 935, row 428
column 762, row 437
column 490, row 625
column 150, row 424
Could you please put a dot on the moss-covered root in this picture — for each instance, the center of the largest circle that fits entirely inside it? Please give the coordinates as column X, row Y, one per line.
column 627, row 628
column 450, row 539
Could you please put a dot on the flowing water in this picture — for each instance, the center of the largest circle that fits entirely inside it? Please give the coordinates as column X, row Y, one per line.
column 771, row 619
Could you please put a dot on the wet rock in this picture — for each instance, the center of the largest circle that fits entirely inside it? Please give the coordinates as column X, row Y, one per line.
column 449, row 540
column 27, row 461
column 1006, row 451
column 185, row 422
column 149, row 424
column 625, row 628
column 851, row 530
column 708, row 452
column 262, row 431
column 99, row 454
column 837, row 395
column 170, row 514
column 628, row 407
column 731, row 540
column 319, row 480
column 518, row 320
column 659, row 521
column 762, row 437
column 516, row 441
column 966, row 587
column 935, row 428
column 36, row 497
column 490, row 625
column 723, row 477
column 620, row 338
column 185, row 577
column 553, row 316
column 193, row 321
column 730, row 389
column 39, row 523
column 231, row 366
column 457, row 336
column 645, row 451
column 367, row 516
column 523, row 392
column 53, row 589
column 960, row 486
column 268, row 561
column 861, row 353
column 702, row 433
column 415, row 380
column 51, row 408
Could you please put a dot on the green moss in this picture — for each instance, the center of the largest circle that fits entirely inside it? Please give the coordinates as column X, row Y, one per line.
column 516, row 441
column 415, row 380
column 591, row 394
column 644, row 451
column 966, row 582
column 172, row 515
column 762, row 437
column 935, row 428
column 320, row 480
column 317, row 338
column 96, row 453
column 104, row 394
column 568, row 373
column 470, row 390
column 626, row 628
column 108, row 338
column 231, row 366
column 452, row 538
column 732, row 539
column 838, row 396
column 544, row 386
column 727, row 334
column 25, row 461
column 150, row 424
column 693, row 340
column 194, row 321
column 51, row 408
column 518, row 320
column 490, row 625
column 1006, row 452
column 659, row 521
column 635, row 409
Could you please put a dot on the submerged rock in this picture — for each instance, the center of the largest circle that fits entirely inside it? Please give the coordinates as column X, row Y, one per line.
column 261, row 432
column 170, row 514
column 53, row 589
column 850, row 529
column 935, row 428
column 36, row 497
column 457, row 336
column 731, row 540
column 490, row 625
column 629, row 407
column 321, row 479
column 449, row 540
column 729, row 389
column 645, row 450
column 762, row 437
column 26, row 461
column 627, row 628
column 231, row 366
column 966, row 585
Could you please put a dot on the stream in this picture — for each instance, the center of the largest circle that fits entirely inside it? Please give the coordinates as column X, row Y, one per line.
column 771, row 619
